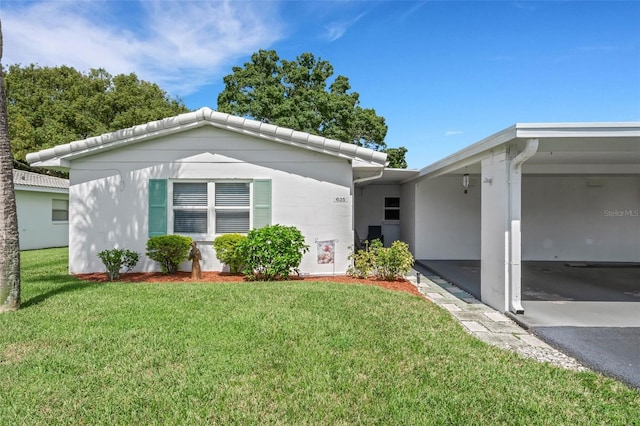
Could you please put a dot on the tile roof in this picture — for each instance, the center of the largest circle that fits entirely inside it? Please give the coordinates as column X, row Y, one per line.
column 58, row 156
column 24, row 178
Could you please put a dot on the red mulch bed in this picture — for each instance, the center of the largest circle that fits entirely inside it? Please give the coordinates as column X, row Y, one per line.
column 183, row 277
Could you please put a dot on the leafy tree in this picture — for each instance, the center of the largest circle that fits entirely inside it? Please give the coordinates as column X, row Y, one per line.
column 294, row 94
column 49, row 106
column 396, row 157
column 9, row 241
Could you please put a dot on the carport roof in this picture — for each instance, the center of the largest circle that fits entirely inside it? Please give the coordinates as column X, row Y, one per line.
column 614, row 143
column 60, row 156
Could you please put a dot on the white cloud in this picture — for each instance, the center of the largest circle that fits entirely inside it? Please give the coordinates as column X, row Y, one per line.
column 337, row 29
column 453, row 132
column 181, row 45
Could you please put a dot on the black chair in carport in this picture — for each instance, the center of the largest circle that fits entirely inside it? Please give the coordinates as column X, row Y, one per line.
column 375, row 233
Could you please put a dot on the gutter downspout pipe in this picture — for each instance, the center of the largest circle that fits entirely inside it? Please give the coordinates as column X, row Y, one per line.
column 515, row 216
column 356, row 181
column 368, row 178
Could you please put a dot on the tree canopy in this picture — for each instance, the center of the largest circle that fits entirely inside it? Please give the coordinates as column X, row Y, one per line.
column 297, row 94
column 396, row 157
column 49, row 106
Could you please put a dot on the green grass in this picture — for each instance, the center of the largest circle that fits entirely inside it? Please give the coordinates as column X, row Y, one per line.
column 268, row 353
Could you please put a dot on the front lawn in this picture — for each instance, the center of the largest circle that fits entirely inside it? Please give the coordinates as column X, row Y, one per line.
column 263, row 353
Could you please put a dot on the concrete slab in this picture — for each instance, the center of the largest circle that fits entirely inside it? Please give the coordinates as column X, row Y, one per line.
column 451, row 307
column 497, row 317
column 474, row 326
column 581, row 314
column 552, row 281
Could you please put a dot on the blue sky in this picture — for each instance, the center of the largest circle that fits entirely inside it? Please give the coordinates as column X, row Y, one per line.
column 444, row 74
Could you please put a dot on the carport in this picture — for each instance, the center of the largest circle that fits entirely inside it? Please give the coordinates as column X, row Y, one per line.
column 589, row 311
column 562, row 293
column 567, row 193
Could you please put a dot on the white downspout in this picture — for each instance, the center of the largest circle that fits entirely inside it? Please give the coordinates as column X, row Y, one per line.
column 365, row 179
column 515, row 215
column 353, row 186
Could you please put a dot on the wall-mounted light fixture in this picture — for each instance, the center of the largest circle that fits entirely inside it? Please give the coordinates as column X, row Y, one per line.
column 465, row 182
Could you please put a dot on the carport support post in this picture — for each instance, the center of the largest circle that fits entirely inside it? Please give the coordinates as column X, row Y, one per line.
column 500, row 229
column 494, row 252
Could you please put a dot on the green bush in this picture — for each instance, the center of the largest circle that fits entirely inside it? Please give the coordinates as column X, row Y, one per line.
column 272, row 252
column 364, row 260
column 169, row 250
column 226, row 247
column 393, row 262
column 115, row 259
column 385, row 263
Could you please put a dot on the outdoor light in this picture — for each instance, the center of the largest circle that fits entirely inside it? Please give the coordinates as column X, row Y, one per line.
column 465, row 182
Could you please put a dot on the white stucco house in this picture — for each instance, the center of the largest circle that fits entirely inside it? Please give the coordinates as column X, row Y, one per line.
column 43, row 210
column 530, row 192
column 206, row 173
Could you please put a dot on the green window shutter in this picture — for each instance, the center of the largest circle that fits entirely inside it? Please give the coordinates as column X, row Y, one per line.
column 157, row 207
column 261, row 203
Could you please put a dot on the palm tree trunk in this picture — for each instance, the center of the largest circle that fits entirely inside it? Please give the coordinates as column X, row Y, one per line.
column 9, row 241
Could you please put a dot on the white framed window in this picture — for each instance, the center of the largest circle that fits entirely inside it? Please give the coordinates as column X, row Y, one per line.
column 209, row 208
column 232, row 207
column 204, row 208
column 392, row 208
column 59, row 210
column 190, row 207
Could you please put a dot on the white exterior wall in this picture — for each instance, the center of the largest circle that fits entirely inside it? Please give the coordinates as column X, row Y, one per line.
column 37, row 229
column 580, row 218
column 447, row 221
column 109, row 199
column 369, row 211
column 408, row 215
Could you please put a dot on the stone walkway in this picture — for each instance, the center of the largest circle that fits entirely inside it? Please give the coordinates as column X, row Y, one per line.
column 487, row 324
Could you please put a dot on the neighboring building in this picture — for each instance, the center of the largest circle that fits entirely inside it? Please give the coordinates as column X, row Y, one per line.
column 43, row 210
column 206, row 173
column 568, row 192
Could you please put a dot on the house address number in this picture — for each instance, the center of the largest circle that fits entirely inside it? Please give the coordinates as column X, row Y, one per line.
column 341, row 200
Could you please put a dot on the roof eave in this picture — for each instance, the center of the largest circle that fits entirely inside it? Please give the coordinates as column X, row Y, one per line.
column 572, row 130
column 474, row 153
column 35, row 188
column 61, row 164
column 468, row 154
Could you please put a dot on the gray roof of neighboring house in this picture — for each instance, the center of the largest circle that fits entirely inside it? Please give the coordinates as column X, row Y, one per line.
column 59, row 156
column 37, row 180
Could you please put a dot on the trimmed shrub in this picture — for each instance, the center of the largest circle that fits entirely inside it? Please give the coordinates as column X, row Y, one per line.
column 364, row 260
column 169, row 250
column 393, row 262
column 272, row 252
column 385, row 263
column 226, row 247
column 114, row 260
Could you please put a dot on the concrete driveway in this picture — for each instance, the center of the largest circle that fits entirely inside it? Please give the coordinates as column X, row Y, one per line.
column 591, row 312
